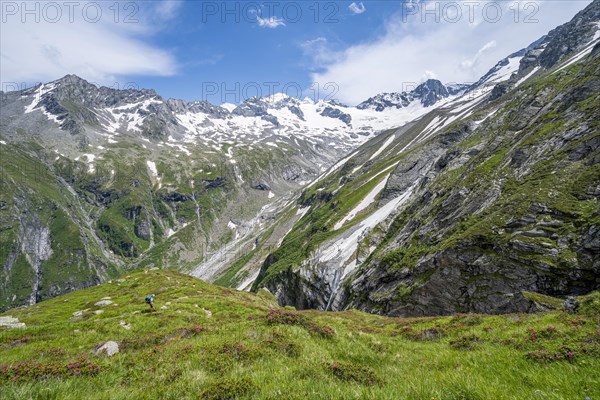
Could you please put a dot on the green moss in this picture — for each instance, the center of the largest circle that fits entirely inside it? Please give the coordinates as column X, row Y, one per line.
column 590, row 304
column 118, row 233
column 350, row 372
column 228, row 388
column 545, row 301
column 405, row 257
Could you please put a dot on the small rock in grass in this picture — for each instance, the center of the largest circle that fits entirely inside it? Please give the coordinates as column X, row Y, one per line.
column 164, row 308
column 11, row 322
column 110, row 348
column 103, row 303
column 125, row 325
column 80, row 312
column 208, row 313
column 571, row 305
column 97, row 312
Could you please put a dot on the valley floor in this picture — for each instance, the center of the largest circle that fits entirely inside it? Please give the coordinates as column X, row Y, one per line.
column 215, row 343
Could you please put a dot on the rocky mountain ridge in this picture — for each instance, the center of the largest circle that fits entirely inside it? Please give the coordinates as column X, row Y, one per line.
column 75, row 105
column 427, row 93
column 469, row 208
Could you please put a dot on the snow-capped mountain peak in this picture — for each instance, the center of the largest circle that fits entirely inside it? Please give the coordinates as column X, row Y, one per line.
column 427, row 94
column 113, row 112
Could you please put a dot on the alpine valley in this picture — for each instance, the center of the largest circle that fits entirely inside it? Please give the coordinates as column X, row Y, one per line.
column 440, row 200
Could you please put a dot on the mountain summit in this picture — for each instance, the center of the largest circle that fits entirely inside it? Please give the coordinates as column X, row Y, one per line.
column 427, row 94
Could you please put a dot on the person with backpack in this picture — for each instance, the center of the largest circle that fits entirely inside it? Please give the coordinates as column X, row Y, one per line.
column 150, row 301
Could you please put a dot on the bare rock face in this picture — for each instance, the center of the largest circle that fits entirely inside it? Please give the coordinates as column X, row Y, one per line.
column 337, row 114
column 261, row 185
column 571, row 305
column 427, row 93
column 37, row 245
column 142, row 230
column 431, row 91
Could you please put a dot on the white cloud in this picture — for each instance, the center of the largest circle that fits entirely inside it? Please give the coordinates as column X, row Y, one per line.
column 357, row 8
column 411, row 4
column 271, row 22
column 100, row 47
column 428, row 75
column 168, row 9
column 319, row 51
column 415, row 45
column 474, row 61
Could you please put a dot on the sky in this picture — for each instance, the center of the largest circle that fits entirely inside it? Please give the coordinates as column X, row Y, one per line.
column 227, row 51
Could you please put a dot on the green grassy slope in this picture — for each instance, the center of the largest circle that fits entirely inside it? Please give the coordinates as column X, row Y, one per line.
column 250, row 349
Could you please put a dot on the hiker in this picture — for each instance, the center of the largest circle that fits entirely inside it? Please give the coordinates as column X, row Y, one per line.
column 150, row 301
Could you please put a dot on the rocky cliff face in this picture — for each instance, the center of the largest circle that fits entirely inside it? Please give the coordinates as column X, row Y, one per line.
column 469, row 209
column 565, row 39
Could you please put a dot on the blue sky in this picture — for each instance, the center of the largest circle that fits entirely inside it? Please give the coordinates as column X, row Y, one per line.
column 233, row 51
column 225, row 51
